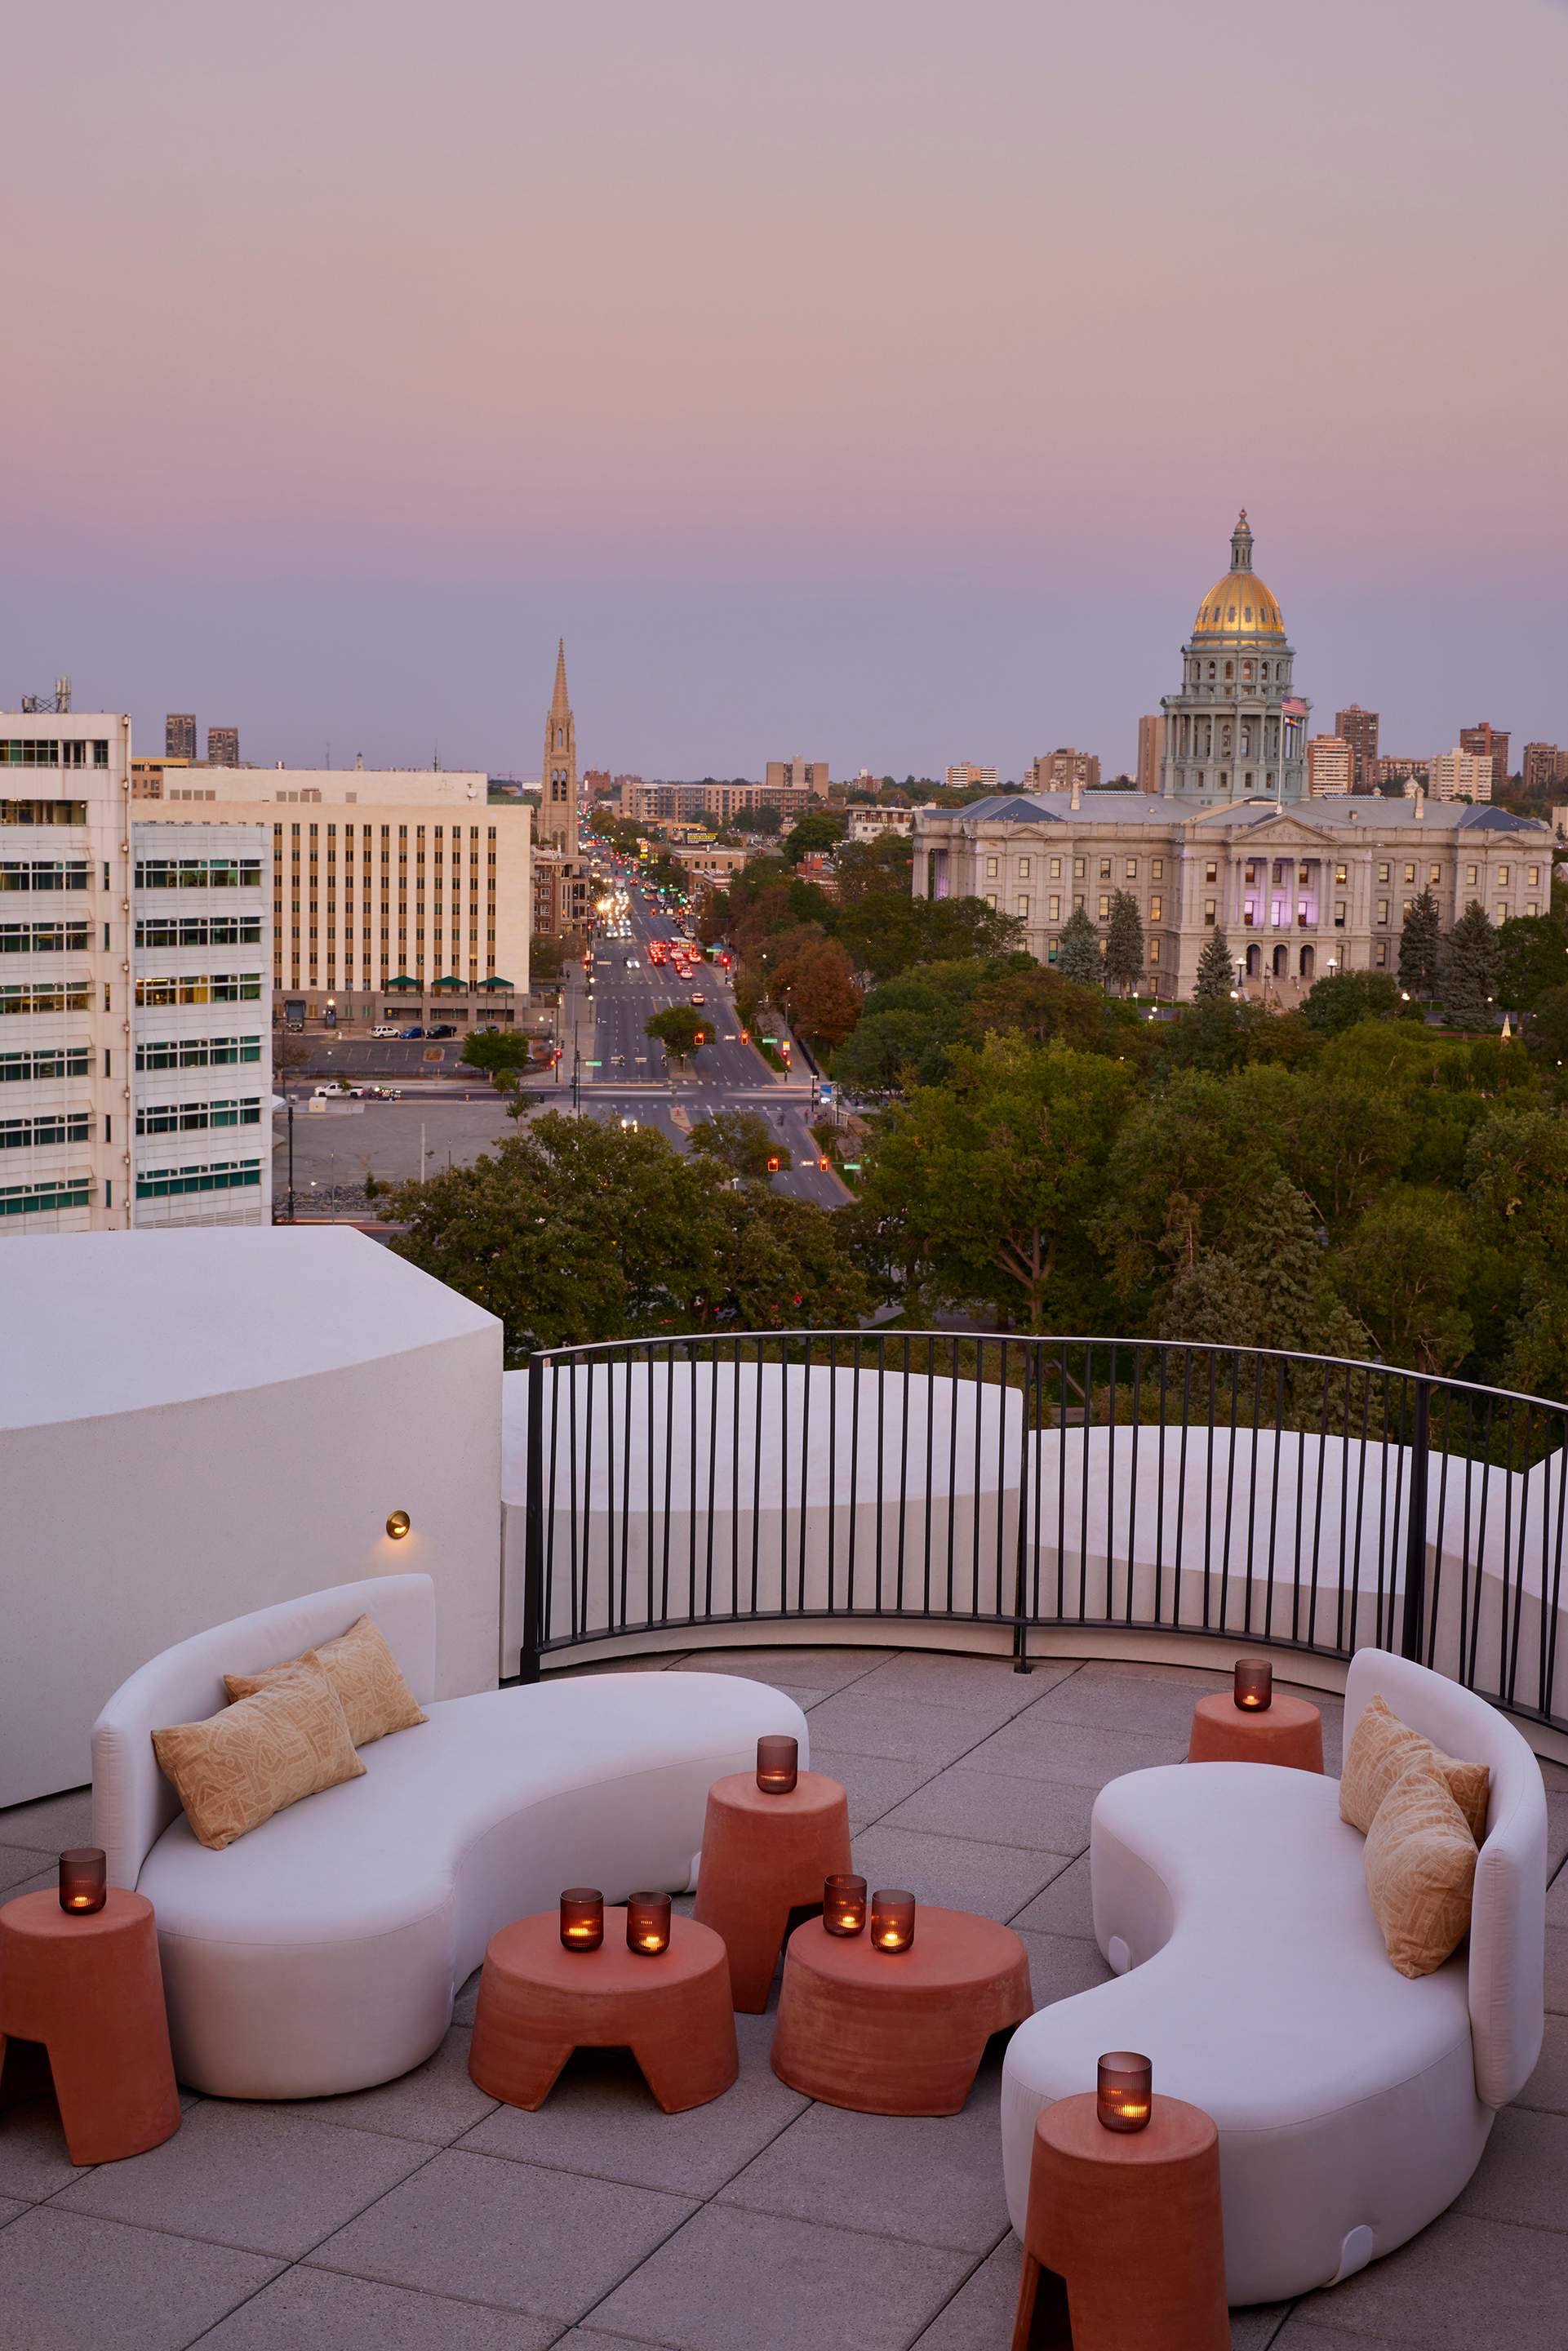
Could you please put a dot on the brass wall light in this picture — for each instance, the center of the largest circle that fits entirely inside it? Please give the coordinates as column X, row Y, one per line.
column 398, row 1525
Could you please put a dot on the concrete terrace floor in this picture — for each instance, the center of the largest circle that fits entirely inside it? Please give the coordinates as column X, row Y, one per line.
column 422, row 2214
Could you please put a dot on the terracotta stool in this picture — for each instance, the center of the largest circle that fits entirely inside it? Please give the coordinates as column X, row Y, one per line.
column 1123, row 2246
column 91, row 1991
column 764, row 1856
column 1288, row 1730
column 897, row 2033
column 538, row 2002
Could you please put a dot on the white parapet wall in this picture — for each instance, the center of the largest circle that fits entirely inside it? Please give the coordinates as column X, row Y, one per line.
column 723, row 1490
column 196, row 1423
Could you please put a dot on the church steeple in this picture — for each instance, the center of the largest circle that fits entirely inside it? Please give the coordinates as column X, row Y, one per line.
column 558, row 798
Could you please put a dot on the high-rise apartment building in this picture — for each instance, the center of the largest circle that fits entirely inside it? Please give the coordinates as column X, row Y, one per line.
column 180, row 735
column 1461, row 776
column 397, row 894
column 1331, row 767
column 135, row 1006
column 1065, row 770
column 807, row 775
column 1543, row 767
column 1358, row 727
column 963, row 776
column 1488, row 742
column 558, row 790
column 223, row 746
column 1151, row 751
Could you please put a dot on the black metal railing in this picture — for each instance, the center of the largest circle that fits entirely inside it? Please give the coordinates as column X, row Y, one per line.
column 1031, row 1484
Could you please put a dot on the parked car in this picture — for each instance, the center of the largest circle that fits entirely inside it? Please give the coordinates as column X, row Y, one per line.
column 386, row 1032
column 410, row 1032
column 443, row 1028
column 385, row 1093
column 338, row 1093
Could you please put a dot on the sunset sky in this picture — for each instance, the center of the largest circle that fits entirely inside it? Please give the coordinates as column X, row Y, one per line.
column 873, row 382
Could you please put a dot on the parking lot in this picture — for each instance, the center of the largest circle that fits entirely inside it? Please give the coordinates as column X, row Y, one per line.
column 336, row 1149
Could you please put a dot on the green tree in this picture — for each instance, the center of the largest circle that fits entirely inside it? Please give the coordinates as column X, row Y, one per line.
column 547, row 959
column 1420, row 946
column 1546, row 1038
column 1183, row 1176
column 1124, row 943
column 786, row 1264
column 1533, row 957
column 502, row 1054
column 886, row 933
column 765, row 822
column 740, row 1140
column 1406, row 1271
column 1470, row 970
column 1215, row 979
column 681, row 1029
column 982, row 1189
column 1342, row 999
column 1270, row 1288
column 816, row 830
column 1078, row 956
column 1030, row 1000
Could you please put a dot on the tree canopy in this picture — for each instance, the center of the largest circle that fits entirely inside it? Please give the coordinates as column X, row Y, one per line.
column 681, row 1029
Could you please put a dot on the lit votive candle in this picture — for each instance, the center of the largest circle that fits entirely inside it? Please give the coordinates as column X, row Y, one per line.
column 1254, row 1685
column 648, row 1924
column 1123, row 2092
column 892, row 1918
column 582, row 1918
column 778, row 1765
column 843, row 1905
column 84, row 1885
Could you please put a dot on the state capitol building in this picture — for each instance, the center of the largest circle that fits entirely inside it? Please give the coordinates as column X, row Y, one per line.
column 1232, row 841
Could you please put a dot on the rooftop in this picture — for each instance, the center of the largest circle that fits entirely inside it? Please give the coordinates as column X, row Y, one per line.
column 1328, row 812
column 425, row 2214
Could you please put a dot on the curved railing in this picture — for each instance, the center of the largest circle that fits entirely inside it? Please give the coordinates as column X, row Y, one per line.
column 1033, row 1485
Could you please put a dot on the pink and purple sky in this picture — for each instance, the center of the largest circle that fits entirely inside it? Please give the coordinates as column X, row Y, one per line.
column 873, row 381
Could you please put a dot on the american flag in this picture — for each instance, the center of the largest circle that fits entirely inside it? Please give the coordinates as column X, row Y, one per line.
column 1293, row 709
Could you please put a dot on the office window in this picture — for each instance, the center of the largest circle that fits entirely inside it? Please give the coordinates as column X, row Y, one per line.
column 1020, row 905
column 1130, row 870
column 1078, row 869
column 1380, row 953
column 1471, row 871
column 1502, row 872
column 1153, row 950
column 1054, row 909
column 1384, row 872
column 990, row 901
column 990, row 867
column 1157, row 868
column 1339, row 913
column 1023, row 869
column 1533, row 876
column 1056, row 869
column 1210, row 910
column 1409, row 874
column 1155, row 914
column 1434, row 873
column 1105, row 909
column 1104, row 869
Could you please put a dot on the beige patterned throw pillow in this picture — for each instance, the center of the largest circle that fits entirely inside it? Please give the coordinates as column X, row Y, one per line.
column 236, row 1769
column 1420, row 1864
column 365, row 1675
column 1383, row 1748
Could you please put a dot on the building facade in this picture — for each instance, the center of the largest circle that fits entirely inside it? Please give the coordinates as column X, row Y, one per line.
column 1543, row 767
column 1358, row 727
column 1484, row 741
column 559, row 788
column 807, row 775
column 1065, row 770
column 223, row 746
column 875, row 823
column 135, row 997
column 1237, row 730
column 1400, row 776
column 963, row 776
column 1331, row 768
column 1460, row 775
column 1151, row 751
column 180, row 735
column 565, row 889
column 1300, row 886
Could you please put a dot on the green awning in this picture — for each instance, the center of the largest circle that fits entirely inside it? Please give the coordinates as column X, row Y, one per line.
column 451, row 980
column 501, row 983
column 403, row 980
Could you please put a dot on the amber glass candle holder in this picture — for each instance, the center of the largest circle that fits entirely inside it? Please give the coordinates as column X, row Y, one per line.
column 843, row 1905
column 648, row 1924
column 1254, row 1685
column 84, row 1883
column 1123, row 2090
column 778, row 1765
column 582, row 1918
column 892, row 1918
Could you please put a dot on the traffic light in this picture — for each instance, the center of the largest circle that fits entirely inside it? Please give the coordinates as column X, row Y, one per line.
column 773, row 1164
column 746, row 1036
column 822, row 1160
column 701, row 1038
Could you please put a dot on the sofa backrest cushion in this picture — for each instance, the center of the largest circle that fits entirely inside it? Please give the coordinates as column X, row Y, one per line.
column 1508, row 1914
column 132, row 1803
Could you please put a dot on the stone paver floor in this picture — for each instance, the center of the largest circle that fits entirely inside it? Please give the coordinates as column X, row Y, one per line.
column 422, row 2214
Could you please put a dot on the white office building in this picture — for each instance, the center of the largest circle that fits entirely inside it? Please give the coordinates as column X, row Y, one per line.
column 135, row 996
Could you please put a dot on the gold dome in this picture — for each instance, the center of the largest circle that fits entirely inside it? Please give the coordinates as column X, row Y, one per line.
column 1239, row 605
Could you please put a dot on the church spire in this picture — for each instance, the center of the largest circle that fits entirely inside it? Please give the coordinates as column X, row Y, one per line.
column 559, row 706
column 559, row 797
column 1242, row 544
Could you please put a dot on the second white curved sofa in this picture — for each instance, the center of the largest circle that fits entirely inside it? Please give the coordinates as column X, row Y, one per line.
column 322, row 1951
column 1353, row 2105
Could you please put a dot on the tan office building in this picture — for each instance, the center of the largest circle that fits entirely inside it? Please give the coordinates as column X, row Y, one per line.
column 1064, row 771
column 810, row 776
column 1358, row 727
column 1460, row 775
column 1151, row 751
column 1331, row 767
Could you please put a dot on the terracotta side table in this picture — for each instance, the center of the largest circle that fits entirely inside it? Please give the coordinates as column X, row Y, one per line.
column 764, row 1856
column 538, row 2002
column 897, row 2033
column 91, row 1991
column 1122, row 2246
column 1289, row 1730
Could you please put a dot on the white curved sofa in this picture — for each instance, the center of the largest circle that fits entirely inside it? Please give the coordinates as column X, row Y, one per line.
column 322, row 1953
column 1353, row 2105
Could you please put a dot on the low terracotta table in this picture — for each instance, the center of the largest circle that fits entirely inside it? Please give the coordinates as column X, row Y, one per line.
column 897, row 2033
column 764, row 1856
column 90, row 1990
column 538, row 2002
column 1122, row 2246
column 1288, row 1730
